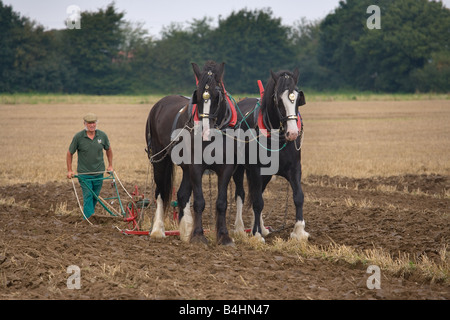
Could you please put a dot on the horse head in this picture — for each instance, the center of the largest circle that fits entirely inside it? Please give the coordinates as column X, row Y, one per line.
column 281, row 101
column 209, row 95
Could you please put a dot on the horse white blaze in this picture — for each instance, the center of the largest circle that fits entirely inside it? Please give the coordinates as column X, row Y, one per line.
column 292, row 129
column 158, row 224
column 206, row 134
column 299, row 232
column 186, row 223
column 239, row 223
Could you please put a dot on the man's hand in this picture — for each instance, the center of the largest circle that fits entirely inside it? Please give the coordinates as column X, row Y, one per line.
column 70, row 174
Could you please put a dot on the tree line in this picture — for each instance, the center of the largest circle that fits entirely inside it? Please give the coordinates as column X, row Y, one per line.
column 109, row 55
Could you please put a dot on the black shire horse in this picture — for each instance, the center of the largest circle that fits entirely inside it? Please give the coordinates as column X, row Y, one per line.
column 178, row 131
column 277, row 111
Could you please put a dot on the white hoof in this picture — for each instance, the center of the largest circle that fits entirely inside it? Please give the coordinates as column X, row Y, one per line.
column 259, row 237
column 299, row 232
column 158, row 232
column 264, row 230
column 239, row 230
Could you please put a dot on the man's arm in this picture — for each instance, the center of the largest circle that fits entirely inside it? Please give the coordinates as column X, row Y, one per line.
column 109, row 155
column 69, row 158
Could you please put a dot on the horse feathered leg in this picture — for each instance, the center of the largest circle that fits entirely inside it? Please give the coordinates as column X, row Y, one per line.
column 265, row 181
column 299, row 232
column 185, row 216
column 255, row 189
column 196, row 172
column 158, row 230
column 238, row 178
column 163, row 172
column 224, row 177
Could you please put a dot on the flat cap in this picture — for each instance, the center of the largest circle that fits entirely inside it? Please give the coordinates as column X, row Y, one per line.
column 90, row 117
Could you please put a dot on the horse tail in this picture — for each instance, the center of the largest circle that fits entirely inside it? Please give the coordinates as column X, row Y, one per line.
column 163, row 168
column 148, row 138
column 166, row 192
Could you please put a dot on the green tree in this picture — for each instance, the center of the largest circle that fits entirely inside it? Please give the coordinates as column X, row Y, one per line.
column 164, row 65
column 338, row 31
column 305, row 36
column 386, row 59
column 29, row 57
column 251, row 43
column 10, row 26
column 435, row 74
column 94, row 52
column 413, row 30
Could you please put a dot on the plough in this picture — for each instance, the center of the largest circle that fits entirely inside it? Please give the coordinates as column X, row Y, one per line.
column 133, row 211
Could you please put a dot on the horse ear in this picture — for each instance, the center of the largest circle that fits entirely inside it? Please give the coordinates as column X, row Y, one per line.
column 296, row 74
column 220, row 71
column 274, row 76
column 197, row 71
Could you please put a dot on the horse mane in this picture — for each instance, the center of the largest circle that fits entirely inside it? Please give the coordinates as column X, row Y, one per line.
column 211, row 81
column 269, row 93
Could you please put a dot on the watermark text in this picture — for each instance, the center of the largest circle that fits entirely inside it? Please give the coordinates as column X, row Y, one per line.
column 74, row 280
column 73, row 20
column 374, row 21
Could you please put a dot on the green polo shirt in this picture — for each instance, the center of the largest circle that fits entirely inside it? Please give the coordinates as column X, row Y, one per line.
column 90, row 152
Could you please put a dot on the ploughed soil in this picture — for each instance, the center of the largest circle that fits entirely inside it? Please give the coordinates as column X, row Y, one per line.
column 401, row 215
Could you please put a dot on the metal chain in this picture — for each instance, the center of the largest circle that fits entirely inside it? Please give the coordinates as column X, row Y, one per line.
column 301, row 141
column 169, row 146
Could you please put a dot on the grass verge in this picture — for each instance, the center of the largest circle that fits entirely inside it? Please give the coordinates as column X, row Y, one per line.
column 55, row 98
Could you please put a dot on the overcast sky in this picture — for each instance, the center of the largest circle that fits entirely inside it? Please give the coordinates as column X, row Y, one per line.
column 156, row 13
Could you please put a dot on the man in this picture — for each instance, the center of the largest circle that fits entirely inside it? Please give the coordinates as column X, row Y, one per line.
column 90, row 143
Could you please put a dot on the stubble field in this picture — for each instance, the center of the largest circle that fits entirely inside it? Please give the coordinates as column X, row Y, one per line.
column 376, row 182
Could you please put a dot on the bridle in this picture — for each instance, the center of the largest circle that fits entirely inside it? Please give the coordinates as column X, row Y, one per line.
column 206, row 96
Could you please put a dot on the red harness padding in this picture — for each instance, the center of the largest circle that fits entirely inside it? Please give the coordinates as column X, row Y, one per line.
column 195, row 113
column 233, row 109
column 194, row 107
column 261, row 124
